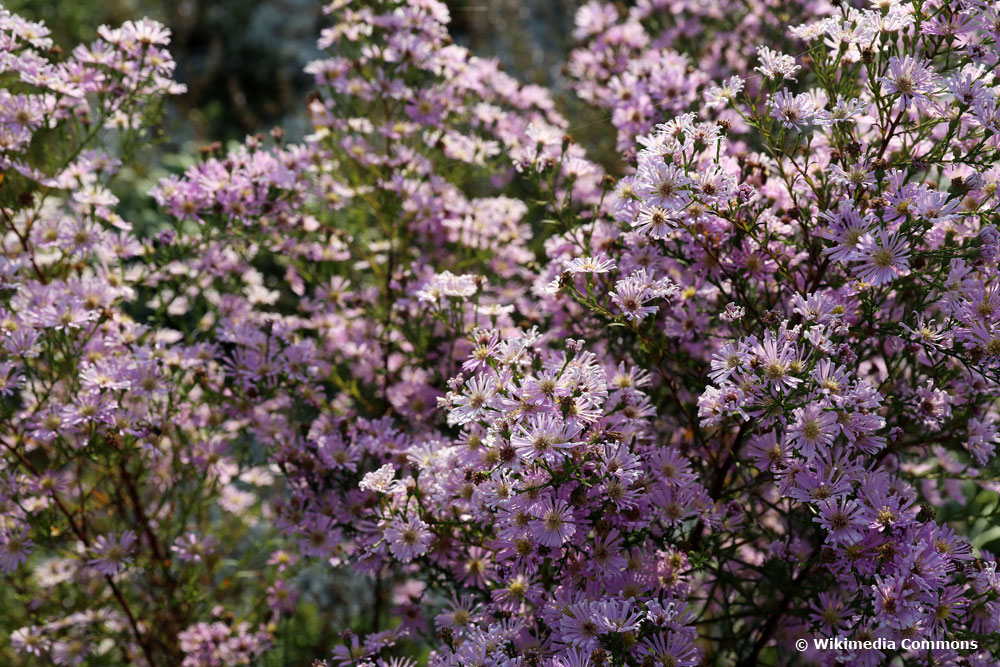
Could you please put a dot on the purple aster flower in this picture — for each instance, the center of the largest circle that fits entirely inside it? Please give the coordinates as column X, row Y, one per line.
column 661, row 184
column 883, row 257
column 112, row 554
column 911, row 78
column 193, row 548
column 813, row 429
column 544, row 435
column 554, row 523
column 671, row 648
column 408, row 538
column 30, row 640
column 15, row 546
column 793, row 111
column 843, row 519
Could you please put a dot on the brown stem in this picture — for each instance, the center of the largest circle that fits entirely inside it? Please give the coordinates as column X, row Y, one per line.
column 771, row 625
column 139, row 636
column 27, row 248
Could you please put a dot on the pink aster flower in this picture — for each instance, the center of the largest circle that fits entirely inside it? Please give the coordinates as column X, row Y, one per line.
column 615, row 615
column 655, row 222
column 30, row 640
column 778, row 359
column 671, row 648
column 474, row 401
column 858, row 175
column 831, row 613
column 631, row 295
column 281, row 597
column 70, row 651
column 379, row 480
column 845, row 227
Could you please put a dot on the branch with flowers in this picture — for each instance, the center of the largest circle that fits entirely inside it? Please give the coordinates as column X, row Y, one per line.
column 439, row 385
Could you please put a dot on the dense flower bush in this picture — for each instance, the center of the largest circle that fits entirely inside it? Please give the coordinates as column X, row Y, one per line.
column 744, row 394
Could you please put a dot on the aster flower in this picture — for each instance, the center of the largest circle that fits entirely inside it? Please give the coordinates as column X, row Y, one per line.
column 661, row 184
column 813, row 429
column 776, row 65
column 607, row 552
column 671, row 648
column 487, row 342
column 282, row 559
column 778, row 358
column 912, row 79
column 713, row 185
column 924, row 331
column 845, row 111
column 408, row 538
column 858, row 175
column 475, row 569
column 947, row 606
column 935, row 206
column 111, row 553
column 552, row 502
column 515, row 592
column 792, row 111
column 817, row 481
column 843, row 520
column 594, row 264
column 933, row 404
column 729, row 359
column 193, row 548
column 815, row 307
column 474, row 401
column 10, row 378
column 831, row 613
column 30, row 640
column 721, row 95
column 459, row 613
column 655, row 222
column 70, row 651
column 767, row 452
column 593, row 18
column 883, row 257
column 578, row 628
column 981, row 440
column 615, row 615
column 732, row 313
column 15, row 546
column 630, row 295
column 544, row 435
column 554, row 523
column 831, row 379
column 894, row 604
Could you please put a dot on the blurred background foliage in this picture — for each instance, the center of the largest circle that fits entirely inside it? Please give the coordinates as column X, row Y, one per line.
column 243, row 60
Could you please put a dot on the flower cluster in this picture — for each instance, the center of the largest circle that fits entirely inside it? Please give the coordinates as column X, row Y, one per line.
column 506, row 408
